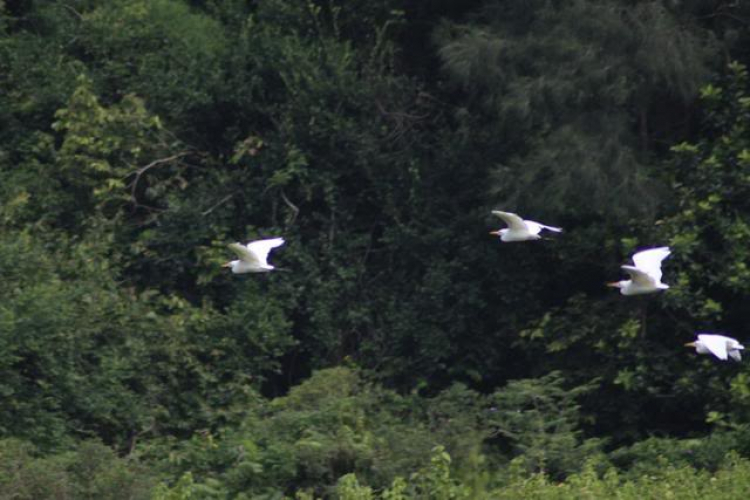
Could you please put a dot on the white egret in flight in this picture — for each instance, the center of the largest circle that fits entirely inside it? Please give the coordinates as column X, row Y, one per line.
column 253, row 257
column 645, row 276
column 718, row 345
column 519, row 229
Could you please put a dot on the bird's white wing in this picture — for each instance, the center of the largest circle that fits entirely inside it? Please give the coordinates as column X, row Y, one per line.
column 536, row 227
column 639, row 276
column 244, row 254
column 734, row 347
column 261, row 248
column 649, row 261
column 515, row 223
column 733, row 343
column 717, row 344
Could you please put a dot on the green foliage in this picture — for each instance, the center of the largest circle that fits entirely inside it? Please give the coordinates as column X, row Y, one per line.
column 67, row 361
column 337, row 429
column 433, row 481
column 333, row 424
column 159, row 49
column 101, row 146
column 709, row 231
column 711, row 178
column 540, row 420
column 187, row 489
column 649, row 456
column 436, row 482
column 668, row 482
column 90, row 471
column 88, row 355
column 348, row 488
column 562, row 83
column 138, row 138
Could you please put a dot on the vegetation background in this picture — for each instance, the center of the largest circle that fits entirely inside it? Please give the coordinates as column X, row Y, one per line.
column 406, row 354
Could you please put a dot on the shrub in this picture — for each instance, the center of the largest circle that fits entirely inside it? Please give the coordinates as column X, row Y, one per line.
column 91, row 471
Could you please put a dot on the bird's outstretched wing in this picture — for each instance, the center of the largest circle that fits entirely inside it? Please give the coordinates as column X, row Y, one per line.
column 649, row 261
column 261, row 248
column 243, row 253
column 515, row 223
column 536, row 227
column 717, row 344
column 638, row 275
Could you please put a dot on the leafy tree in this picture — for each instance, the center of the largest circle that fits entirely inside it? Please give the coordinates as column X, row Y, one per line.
column 158, row 49
column 540, row 421
column 562, row 84
column 101, row 146
column 709, row 230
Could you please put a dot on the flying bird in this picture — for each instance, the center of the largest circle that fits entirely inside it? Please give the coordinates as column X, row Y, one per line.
column 718, row 345
column 645, row 276
column 253, row 256
column 519, row 229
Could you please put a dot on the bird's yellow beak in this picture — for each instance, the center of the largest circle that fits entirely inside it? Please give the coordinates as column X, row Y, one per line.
column 614, row 284
column 495, row 233
column 690, row 344
column 228, row 264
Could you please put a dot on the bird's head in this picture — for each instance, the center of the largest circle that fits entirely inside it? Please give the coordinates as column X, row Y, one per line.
column 229, row 264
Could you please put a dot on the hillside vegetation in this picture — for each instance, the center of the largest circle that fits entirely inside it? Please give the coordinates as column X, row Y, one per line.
column 400, row 352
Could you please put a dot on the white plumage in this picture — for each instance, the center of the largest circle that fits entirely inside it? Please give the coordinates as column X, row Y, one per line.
column 645, row 276
column 519, row 229
column 719, row 345
column 253, row 257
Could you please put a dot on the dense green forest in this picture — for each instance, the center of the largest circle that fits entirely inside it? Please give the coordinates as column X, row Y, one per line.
column 400, row 352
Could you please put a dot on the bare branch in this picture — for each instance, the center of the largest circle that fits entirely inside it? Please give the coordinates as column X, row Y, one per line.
column 217, row 204
column 71, row 9
column 142, row 170
column 292, row 206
